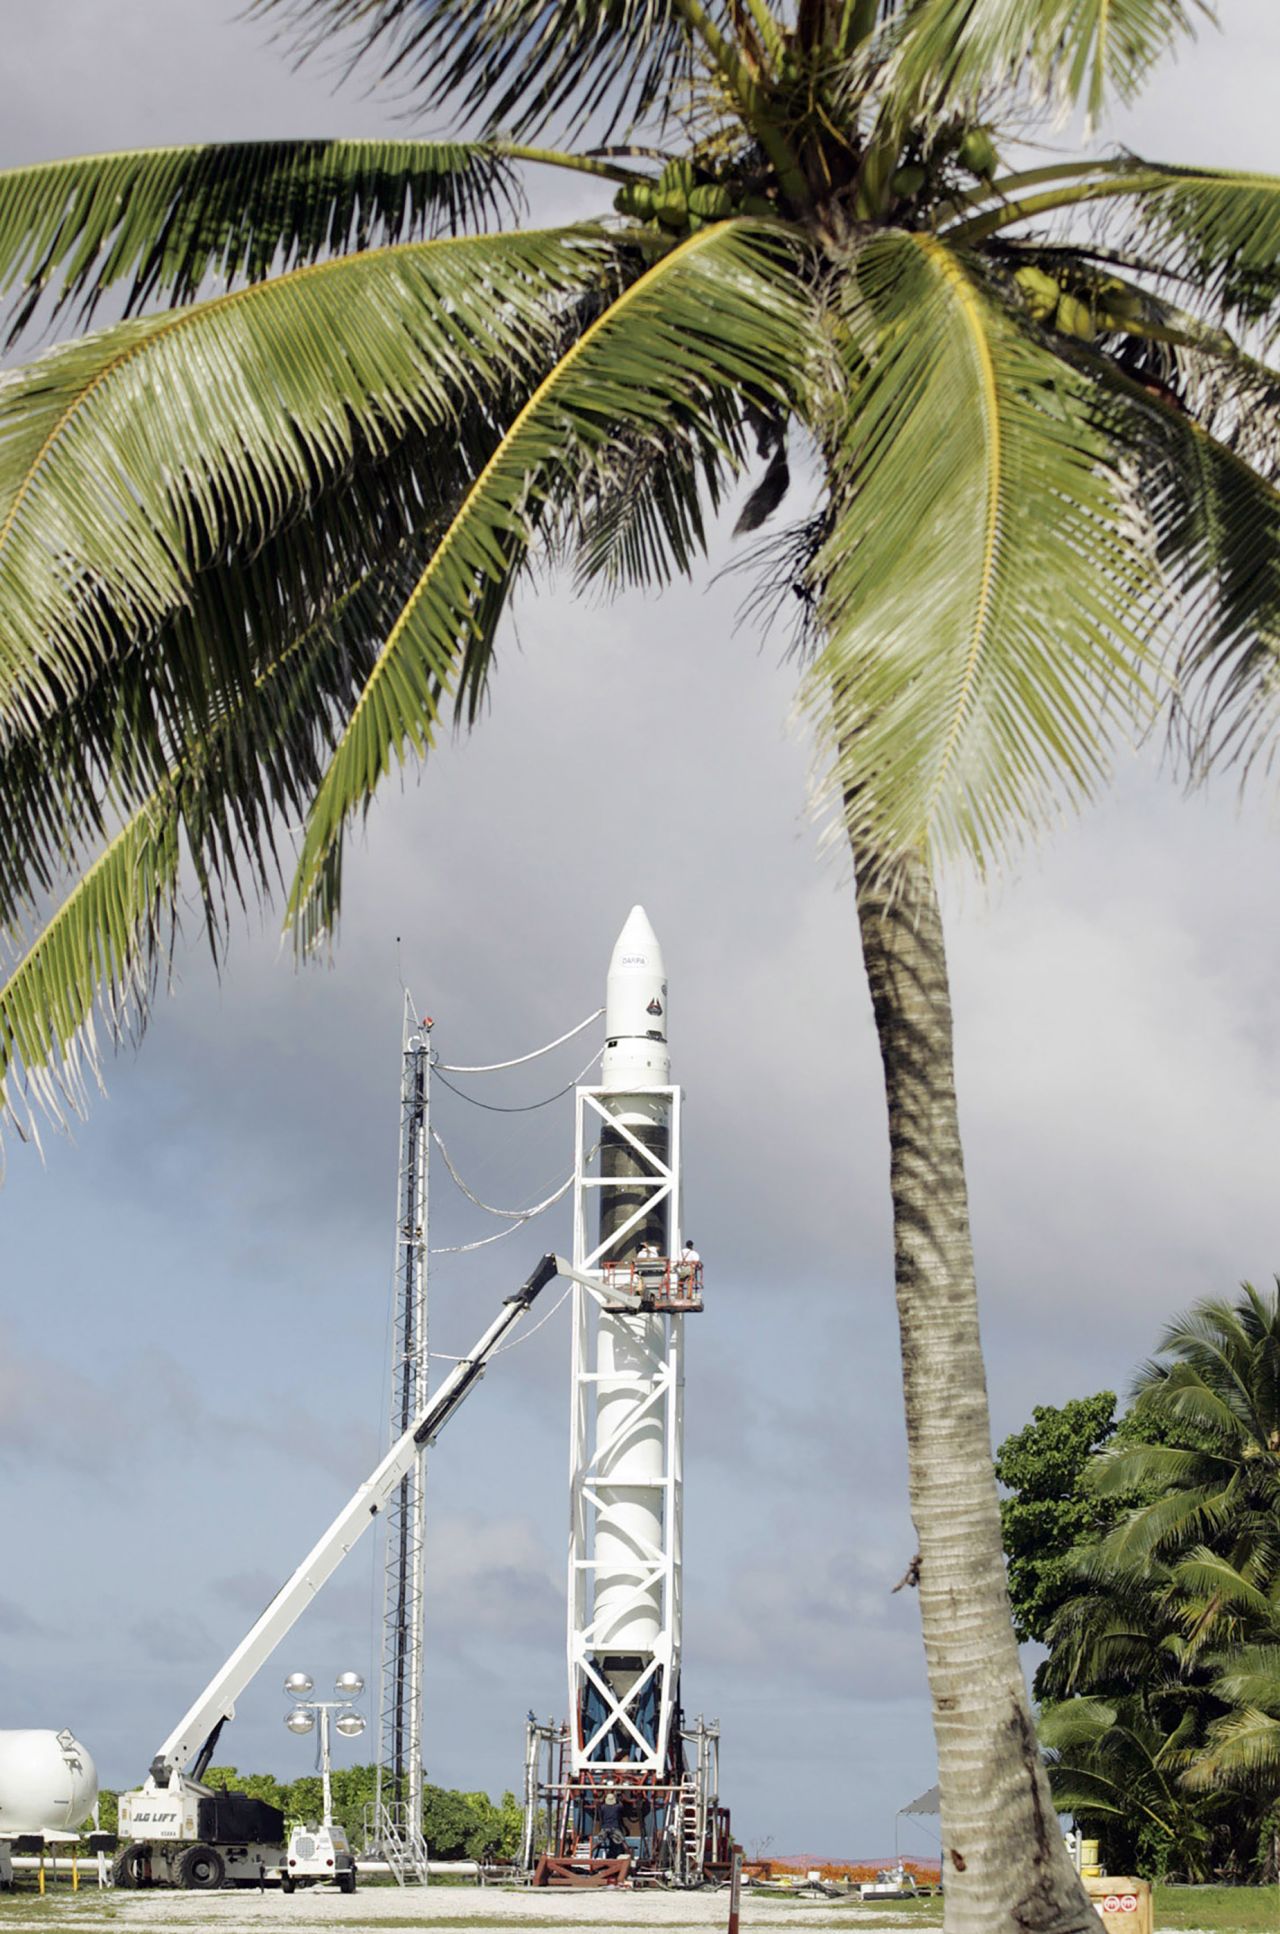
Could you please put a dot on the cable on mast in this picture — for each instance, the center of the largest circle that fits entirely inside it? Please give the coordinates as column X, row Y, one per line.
column 508, row 1215
column 524, row 1108
column 495, row 1067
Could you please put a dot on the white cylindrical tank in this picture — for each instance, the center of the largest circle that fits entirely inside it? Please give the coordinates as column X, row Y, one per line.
column 48, row 1784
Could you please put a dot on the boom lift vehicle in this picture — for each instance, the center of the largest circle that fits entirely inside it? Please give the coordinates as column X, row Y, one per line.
column 174, row 1828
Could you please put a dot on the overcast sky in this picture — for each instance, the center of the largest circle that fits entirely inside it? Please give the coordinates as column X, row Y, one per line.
column 194, row 1295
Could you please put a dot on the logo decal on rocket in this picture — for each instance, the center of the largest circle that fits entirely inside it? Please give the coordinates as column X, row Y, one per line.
column 654, row 1007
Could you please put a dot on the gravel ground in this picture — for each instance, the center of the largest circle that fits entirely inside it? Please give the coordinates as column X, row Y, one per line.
column 444, row 1908
column 438, row 1907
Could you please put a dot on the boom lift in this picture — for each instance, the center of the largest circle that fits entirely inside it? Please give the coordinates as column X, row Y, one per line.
column 179, row 1830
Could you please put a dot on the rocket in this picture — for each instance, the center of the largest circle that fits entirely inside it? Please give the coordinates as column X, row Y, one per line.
column 624, row 1631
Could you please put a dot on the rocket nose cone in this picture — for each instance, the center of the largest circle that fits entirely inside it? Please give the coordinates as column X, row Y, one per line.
column 635, row 1002
column 637, row 945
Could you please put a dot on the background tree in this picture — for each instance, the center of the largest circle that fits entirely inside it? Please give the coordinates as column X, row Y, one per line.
column 1119, row 1772
column 1214, row 1483
column 258, row 1786
column 457, row 1825
column 1164, row 1625
column 253, row 547
column 1048, row 1510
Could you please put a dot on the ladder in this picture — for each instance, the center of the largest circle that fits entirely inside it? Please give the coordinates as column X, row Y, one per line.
column 404, row 1851
column 691, row 1828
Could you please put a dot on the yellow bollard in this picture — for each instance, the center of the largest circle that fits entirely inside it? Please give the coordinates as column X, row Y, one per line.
column 42, row 1870
column 75, row 1873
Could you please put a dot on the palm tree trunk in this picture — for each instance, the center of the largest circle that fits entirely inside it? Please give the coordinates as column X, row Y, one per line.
column 1005, row 1865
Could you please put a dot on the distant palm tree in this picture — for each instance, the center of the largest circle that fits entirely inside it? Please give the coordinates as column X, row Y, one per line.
column 1120, row 1772
column 1209, row 1535
column 1180, row 1615
column 254, row 547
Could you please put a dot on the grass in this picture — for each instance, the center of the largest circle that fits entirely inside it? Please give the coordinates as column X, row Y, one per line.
column 1219, row 1910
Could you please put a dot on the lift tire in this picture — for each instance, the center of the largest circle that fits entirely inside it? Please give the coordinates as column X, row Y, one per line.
column 287, row 1883
column 128, row 1869
column 347, row 1881
column 202, row 1869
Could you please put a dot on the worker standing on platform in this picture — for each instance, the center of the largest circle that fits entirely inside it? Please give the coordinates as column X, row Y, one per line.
column 610, row 1839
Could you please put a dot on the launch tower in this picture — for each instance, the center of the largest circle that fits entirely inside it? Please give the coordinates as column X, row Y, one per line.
column 626, row 1778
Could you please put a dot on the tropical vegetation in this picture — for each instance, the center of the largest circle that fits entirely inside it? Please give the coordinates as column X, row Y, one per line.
column 457, row 1825
column 257, row 537
column 1161, row 1614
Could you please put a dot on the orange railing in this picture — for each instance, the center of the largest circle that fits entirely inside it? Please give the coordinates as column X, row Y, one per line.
column 662, row 1282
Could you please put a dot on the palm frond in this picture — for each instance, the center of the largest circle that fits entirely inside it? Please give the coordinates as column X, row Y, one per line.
column 638, row 517
column 1181, row 1394
column 1110, row 1635
column 132, row 459
column 164, row 221
column 724, row 316
column 521, row 64
column 1250, row 1676
column 214, row 817
column 1208, row 1578
column 1242, row 1749
column 1125, row 1466
column 951, row 53
column 1155, row 1529
column 1075, row 1722
column 106, row 750
column 1217, row 229
column 1213, row 523
column 982, row 595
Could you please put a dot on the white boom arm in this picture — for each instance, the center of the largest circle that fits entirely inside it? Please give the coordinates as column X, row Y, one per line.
column 217, row 1702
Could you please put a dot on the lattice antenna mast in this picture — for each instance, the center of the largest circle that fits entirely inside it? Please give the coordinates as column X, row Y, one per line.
column 398, row 1822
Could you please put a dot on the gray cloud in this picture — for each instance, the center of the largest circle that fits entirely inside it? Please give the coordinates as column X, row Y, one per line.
column 178, row 1639
column 15, row 1622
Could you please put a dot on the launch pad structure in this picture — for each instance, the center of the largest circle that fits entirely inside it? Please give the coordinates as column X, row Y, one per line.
column 626, row 1787
column 626, row 1779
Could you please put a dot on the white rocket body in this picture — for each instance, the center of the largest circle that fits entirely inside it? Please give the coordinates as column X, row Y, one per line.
column 632, row 1349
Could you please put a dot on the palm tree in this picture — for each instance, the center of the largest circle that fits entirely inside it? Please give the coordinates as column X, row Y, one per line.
column 1242, row 1748
column 255, row 545
column 1176, row 1629
column 1207, row 1540
column 1119, row 1772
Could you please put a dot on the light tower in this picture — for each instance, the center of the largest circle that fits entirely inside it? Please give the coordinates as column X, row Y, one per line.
column 626, row 1775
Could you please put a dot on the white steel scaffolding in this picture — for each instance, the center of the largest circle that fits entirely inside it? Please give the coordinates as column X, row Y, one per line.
column 625, row 1441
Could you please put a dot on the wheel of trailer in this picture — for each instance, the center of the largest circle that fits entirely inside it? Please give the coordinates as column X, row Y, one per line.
column 202, row 1869
column 287, row 1883
column 347, row 1881
column 129, row 1868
